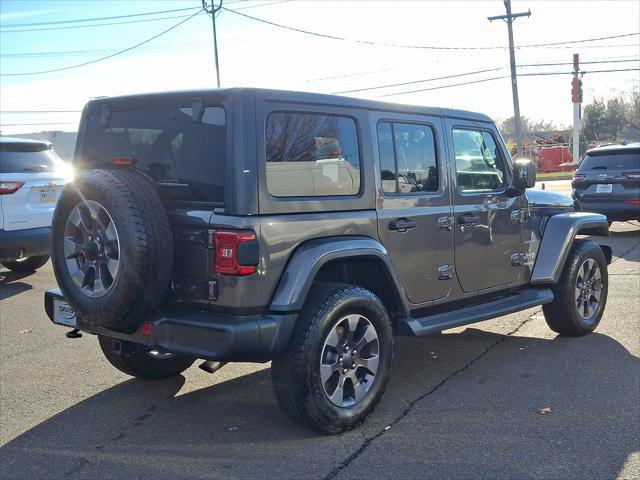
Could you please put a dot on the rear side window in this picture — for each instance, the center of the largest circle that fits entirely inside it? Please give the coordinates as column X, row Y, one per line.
column 612, row 161
column 311, row 155
column 186, row 159
column 407, row 158
column 27, row 162
column 480, row 166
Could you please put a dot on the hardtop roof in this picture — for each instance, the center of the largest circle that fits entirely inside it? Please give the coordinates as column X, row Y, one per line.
column 27, row 144
column 617, row 148
column 290, row 96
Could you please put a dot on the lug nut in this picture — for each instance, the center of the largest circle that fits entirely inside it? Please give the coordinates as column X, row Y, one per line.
column 347, row 349
column 344, row 370
column 339, row 359
column 353, row 365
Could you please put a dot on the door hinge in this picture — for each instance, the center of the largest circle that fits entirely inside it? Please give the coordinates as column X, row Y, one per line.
column 445, row 272
column 520, row 216
column 522, row 258
column 445, row 223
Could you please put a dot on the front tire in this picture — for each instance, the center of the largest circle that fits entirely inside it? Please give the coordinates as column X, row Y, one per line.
column 138, row 361
column 26, row 265
column 580, row 295
column 337, row 364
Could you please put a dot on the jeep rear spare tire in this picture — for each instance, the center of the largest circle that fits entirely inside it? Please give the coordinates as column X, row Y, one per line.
column 112, row 248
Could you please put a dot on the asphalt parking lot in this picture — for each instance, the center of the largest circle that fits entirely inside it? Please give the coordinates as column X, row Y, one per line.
column 463, row 404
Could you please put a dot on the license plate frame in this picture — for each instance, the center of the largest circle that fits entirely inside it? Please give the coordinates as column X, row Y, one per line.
column 604, row 188
column 48, row 195
column 63, row 314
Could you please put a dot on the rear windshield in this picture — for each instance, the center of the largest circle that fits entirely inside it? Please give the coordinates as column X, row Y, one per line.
column 612, row 161
column 185, row 158
column 23, row 162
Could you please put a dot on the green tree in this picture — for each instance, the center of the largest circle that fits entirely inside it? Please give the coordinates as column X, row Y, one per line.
column 508, row 126
column 613, row 120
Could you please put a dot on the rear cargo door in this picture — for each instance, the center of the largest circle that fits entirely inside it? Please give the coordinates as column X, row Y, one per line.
column 184, row 153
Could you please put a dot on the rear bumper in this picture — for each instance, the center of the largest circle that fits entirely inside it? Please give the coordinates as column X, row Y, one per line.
column 205, row 335
column 30, row 241
column 613, row 210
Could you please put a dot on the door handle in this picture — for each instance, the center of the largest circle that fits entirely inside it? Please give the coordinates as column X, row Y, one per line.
column 402, row 224
column 468, row 219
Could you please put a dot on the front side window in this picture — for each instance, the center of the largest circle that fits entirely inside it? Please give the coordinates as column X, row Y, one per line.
column 310, row 155
column 480, row 166
column 407, row 158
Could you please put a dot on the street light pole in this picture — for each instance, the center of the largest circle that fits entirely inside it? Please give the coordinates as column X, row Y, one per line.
column 509, row 18
column 213, row 10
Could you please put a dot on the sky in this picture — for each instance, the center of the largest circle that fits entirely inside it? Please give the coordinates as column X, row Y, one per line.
column 46, row 35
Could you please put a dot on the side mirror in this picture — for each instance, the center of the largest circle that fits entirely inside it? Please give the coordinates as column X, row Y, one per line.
column 524, row 174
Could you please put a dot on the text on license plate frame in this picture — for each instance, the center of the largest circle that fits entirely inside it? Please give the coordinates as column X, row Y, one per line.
column 604, row 188
column 63, row 314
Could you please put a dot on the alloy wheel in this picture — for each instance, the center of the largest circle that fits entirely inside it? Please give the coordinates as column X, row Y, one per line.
column 349, row 360
column 92, row 248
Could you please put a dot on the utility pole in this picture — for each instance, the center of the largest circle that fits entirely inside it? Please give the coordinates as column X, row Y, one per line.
column 213, row 11
column 576, row 98
column 509, row 18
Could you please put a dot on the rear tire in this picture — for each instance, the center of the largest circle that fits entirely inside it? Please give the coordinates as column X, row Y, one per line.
column 137, row 361
column 580, row 295
column 26, row 265
column 311, row 380
column 112, row 248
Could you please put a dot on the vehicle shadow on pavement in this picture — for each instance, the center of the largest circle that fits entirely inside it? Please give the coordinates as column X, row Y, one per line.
column 467, row 402
column 9, row 286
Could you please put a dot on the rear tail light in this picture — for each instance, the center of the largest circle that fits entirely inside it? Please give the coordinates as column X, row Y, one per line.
column 633, row 175
column 236, row 253
column 147, row 329
column 7, row 188
column 123, row 161
column 632, row 202
column 579, row 176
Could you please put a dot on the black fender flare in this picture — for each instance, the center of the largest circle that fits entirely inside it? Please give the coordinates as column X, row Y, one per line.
column 559, row 232
column 311, row 256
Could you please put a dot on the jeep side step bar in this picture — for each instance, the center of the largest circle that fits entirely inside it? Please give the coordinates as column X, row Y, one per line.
column 530, row 297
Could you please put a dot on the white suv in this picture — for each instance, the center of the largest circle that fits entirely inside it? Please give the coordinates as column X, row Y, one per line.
column 31, row 179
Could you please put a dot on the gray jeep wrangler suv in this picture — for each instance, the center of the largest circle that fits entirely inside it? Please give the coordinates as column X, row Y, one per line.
column 254, row 225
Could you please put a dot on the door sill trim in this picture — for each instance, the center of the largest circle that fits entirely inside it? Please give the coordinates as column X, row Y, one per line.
column 527, row 298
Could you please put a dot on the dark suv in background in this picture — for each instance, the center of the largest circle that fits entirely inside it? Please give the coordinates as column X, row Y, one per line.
column 608, row 182
column 256, row 225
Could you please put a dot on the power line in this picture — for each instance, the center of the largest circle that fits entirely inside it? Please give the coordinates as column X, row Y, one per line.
column 40, row 111
column 12, row 30
column 402, row 67
column 475, row 72
column 32, row 124
column 173, row 17
column 507, row 76
column 424, row 47
column 108, row 56
column 95, row 19
column 421, row 81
